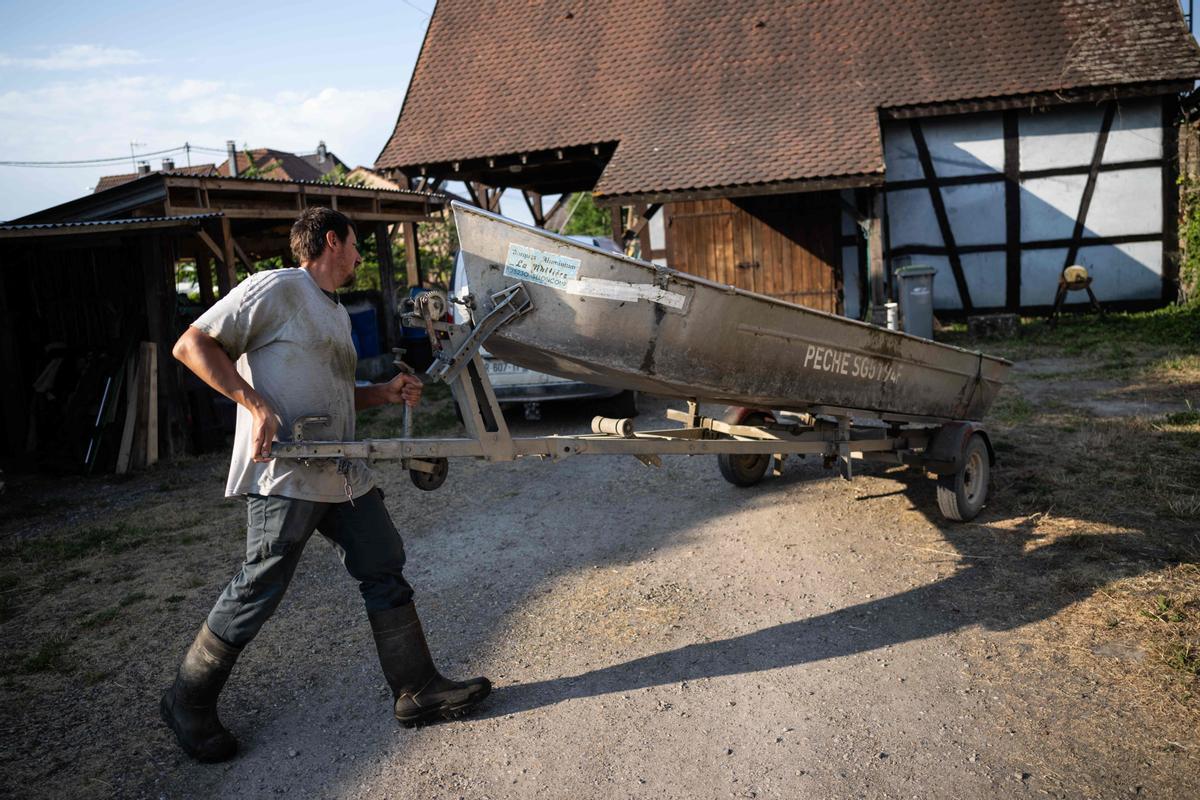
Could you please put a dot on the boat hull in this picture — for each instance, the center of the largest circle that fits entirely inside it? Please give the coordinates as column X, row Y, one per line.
column 615, row 321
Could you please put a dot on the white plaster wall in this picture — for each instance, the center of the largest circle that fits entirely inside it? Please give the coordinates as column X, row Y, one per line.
column 1059, row 137
column 975, row 212
column 1126, row 202
column 1049, row 207
column 900, row 154
column 1136, row 133
column 971, row 145
column 848, row 224
column 850, row 287
column 911, row 219
column 986, row 279
column 1119, row 272
column 658, row 235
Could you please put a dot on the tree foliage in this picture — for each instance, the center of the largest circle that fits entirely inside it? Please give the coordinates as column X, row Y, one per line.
column 587, row 218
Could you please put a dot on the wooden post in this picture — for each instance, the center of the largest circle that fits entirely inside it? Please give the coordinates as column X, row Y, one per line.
column 226, row 276
column 875, row 264
column 412, row 260
column 204, row 278
column 618, row 225
column 387, row 284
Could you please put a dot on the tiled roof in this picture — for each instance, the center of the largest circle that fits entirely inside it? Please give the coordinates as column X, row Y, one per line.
column 109, row 181
column 701, row 94
column 281, row 165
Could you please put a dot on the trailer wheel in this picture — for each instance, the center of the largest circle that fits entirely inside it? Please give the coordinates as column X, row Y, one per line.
column 745, row 470
column 961, row 495
column 429, row 481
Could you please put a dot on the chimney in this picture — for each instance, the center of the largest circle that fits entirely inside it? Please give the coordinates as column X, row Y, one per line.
column 231, row 148
column 168, row 165
column 143, row 168
column 321, row 152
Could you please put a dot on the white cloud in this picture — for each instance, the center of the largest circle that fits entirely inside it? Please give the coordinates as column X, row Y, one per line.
column 77, row 56
column 99, row 118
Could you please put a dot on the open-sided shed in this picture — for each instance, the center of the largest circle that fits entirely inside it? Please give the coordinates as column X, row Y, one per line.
column 805, row 149
column 88, row 297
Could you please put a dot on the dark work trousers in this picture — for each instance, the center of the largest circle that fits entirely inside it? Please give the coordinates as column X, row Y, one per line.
column 277, row 528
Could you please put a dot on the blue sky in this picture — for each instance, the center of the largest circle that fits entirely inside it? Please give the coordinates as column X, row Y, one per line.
column 82, row 80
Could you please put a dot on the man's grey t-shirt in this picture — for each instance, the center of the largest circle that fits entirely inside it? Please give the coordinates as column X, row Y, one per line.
column 291, row 342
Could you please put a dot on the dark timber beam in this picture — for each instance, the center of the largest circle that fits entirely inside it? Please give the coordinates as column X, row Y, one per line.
column 1170, row 190
column 939, row 210
column 1012, row 212
column 387, row 284
column 1089, row 188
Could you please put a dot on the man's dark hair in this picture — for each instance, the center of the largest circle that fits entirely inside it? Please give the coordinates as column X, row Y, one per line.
column 308, row 233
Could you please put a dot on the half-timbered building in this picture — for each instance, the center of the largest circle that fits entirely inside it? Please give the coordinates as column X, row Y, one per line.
column 806, row 149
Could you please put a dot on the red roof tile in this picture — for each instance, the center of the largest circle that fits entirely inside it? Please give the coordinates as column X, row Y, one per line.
column 701, row 94
column 109, row 181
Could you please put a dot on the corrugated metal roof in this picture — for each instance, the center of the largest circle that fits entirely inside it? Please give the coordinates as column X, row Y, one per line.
column 435, row 196
column 149, row 222
column 701, row 94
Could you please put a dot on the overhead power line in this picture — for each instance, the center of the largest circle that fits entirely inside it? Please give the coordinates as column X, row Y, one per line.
column 96, row 162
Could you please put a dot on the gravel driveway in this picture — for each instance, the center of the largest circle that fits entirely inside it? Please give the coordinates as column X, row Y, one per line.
column 661, row 633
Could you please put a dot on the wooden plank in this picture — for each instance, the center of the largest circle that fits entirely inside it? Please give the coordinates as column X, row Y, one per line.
column 1170, row 202
column 939, row 211
column 204, row 279
column 203, row 236
column 131, row 413
column 387, row 285
column 1090, row 187
column 1012, row 212
column 151, row 404
column 875, row 265
column 290, row 214
column 226, row 275
column 242, row 255
column 412, row 255
column 137, row 454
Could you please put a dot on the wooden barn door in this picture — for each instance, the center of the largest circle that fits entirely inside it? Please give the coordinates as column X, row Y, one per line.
column 784, row 246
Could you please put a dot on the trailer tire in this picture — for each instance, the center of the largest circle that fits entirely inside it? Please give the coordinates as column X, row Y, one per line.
column 745, row 470
column 961, row 495
column 430, row 481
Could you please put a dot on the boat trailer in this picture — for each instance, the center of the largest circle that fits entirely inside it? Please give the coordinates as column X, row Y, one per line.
column 747, row 442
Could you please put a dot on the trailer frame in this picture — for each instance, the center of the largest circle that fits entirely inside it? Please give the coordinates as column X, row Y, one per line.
column 838, row 434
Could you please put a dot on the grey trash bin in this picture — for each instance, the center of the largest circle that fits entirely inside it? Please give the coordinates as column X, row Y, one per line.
column 915, row 288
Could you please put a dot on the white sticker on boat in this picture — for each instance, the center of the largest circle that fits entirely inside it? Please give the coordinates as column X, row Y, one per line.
column 624, row 292
column 538, row 266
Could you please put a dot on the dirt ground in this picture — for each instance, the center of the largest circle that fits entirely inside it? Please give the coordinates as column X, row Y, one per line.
column 659, row 632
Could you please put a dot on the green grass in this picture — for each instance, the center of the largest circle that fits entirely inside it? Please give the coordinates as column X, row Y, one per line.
column 1164, row 610
column 92, row 677
column 51, row 656
column 1012, row 410
column 80, row 543
column 130, row 599
column 1109, row 337
column 435, row 415
column 99, row 619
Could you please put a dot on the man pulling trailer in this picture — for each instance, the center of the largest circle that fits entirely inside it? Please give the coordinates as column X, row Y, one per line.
column 279, row 346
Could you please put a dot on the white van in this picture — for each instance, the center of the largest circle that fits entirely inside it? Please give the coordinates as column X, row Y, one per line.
column 514, row 384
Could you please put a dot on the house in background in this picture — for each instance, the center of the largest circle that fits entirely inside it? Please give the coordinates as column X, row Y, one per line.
column 168, row 165
column 261, row 162
column 280, row 165
column 805, row 150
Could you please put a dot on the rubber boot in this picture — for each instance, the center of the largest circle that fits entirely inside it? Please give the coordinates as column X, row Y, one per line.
column 189, row 706
column 422, row 694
